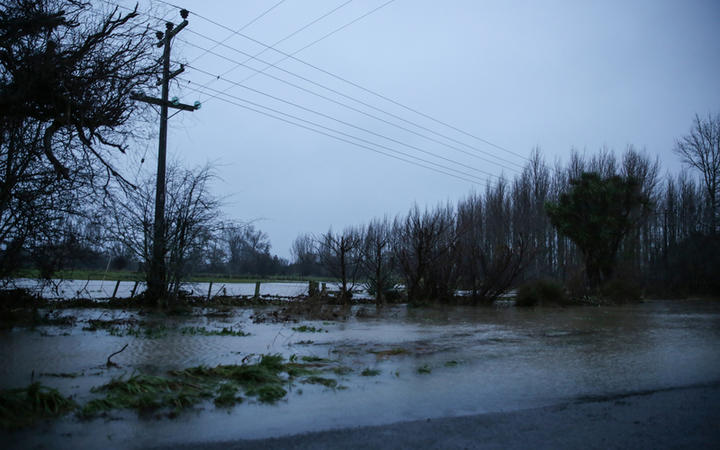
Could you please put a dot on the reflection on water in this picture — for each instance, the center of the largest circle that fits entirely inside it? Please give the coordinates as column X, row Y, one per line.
column 480, row 360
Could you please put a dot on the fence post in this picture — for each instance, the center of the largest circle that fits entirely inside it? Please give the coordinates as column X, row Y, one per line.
column 257, row 290
column 132, row 293
column 209, row 291
column 117, row 285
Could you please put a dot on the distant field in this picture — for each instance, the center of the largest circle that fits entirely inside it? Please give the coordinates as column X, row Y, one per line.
column 137, row 276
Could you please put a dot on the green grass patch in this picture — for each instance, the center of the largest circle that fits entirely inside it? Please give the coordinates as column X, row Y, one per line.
column 146, row 393
column 368, row 372
column 261, row 380
column 269, row 393
column 451, row 363
column 23, row 406
column 227, row 395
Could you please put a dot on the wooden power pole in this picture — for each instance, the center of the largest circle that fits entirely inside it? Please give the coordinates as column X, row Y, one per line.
column 157, row 281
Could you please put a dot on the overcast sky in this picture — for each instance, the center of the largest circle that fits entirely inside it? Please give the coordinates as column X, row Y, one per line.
column 515, row 74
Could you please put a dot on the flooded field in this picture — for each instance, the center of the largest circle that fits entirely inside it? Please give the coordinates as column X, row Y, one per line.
column 101, row 289
column 397, row 365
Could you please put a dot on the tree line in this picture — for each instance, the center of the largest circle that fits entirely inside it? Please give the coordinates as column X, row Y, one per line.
column 648, row 232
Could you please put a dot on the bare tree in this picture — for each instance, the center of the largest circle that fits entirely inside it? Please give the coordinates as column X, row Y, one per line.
column 424, row 244
column 191, row 217
column 66, row 74
column 701, row 150
column 248, row 250
column 340, row 255
column 377, row 259
column 304, row 254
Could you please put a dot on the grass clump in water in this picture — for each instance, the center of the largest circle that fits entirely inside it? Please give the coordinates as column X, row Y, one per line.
column 368, row 372
column 146, row 393
column 451, row 363
column 23, row 406
column 262, row 379
column 61, row 374
column 312, row 359
column 328, row 382
column 342, row 370
column 424, row 369
column 307, row 329
column 270, row 393
column 128, row 327
column 227, row 395
column 391, row 352
column 202, row 331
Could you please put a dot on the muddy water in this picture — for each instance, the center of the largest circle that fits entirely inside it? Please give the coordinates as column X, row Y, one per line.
column 432, row 362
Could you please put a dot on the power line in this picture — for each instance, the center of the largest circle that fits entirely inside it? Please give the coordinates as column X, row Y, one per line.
column 333, row 90
column 442, row 169
column 352, row 83
column 316, row 40
column 304, row 27
column 258, row 17
column 239, row 83
column 345, row 123
column 327, row 116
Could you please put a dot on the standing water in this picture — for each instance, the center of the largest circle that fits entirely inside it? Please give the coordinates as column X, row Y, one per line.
column 400, row 364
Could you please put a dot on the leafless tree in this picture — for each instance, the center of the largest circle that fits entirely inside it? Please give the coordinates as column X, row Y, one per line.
column 340, row 255
column 191, row 217
column 66, row 74
column 377, row 259
column 304, row 254
column 424, row 244
column 700, row 149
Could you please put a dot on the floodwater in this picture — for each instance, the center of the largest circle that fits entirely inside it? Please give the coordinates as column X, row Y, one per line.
column 103, row 289
column 472, row 360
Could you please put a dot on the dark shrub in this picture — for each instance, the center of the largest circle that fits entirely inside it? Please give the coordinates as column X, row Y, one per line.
column 621, row 290
column 540, row 292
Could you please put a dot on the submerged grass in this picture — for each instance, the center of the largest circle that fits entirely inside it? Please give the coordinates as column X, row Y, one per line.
column 23, row 406
column 342, row 370
column 178, row 390
column 390, row 352
column 328, row 382
column 424, row 369
column 131, row 327
column 307, row 329
column 146, row 393
column 227, row 395
column 368, row 372
column 311, row 359
column 202, row 331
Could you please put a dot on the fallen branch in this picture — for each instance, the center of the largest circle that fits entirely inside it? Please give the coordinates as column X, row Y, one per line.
column 112, row 364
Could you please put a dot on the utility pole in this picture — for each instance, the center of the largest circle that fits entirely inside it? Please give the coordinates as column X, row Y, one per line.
column 157, row 282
